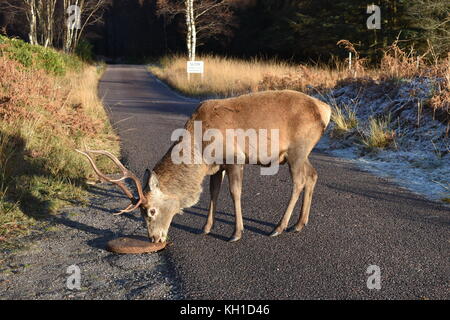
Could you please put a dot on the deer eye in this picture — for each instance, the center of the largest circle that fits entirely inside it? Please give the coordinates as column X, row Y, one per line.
column 152, row 212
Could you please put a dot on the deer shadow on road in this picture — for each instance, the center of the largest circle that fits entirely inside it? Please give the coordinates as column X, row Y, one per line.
column 220, row 217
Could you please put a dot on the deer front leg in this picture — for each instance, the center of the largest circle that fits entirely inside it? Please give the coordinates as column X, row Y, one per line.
column 235, row 174
column 214, row 188
column 298, row 178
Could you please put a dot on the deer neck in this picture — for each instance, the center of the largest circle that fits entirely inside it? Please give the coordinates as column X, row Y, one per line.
column 183, row 181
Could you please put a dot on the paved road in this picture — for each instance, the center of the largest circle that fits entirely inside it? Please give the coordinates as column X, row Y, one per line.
column 356, row 220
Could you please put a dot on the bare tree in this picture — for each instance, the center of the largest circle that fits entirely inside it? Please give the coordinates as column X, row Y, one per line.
column 48, row 18
column 204, row 19
column 91, row 12
column 35, row 12
column 31, row 13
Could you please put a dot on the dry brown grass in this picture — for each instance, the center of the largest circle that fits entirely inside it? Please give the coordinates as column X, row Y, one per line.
column 304, row 79
column 440, row 101
column 397, row 63
column 34, row 96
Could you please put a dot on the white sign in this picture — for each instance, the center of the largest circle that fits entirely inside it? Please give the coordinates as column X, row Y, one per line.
column 195, row 67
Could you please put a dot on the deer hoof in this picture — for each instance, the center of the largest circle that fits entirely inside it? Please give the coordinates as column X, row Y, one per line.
column 275, row 233
column 207, row 227
column 299, row 228
column 234, row 239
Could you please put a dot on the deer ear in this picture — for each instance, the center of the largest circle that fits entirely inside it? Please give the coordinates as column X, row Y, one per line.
column 146, row 179
column 154, row 183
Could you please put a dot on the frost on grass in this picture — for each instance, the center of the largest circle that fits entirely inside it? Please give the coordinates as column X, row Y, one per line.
column 418, row 157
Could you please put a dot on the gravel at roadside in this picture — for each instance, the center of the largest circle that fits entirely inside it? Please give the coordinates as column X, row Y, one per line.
column 77, row 236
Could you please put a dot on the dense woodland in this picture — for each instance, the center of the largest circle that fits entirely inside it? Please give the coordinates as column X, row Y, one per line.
column 298, row 30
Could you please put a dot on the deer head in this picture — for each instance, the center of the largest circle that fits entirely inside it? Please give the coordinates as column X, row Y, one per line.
column 156, row 208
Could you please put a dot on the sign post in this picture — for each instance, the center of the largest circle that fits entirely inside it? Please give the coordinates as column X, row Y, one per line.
column 195, row 67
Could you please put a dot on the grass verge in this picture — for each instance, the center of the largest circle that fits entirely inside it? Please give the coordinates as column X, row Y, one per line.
column 48, row 107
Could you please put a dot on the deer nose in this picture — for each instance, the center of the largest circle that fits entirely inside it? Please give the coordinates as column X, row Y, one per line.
column 152, row 239
column 156, row 239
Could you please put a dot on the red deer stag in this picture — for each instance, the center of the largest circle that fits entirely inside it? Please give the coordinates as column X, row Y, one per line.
column 300, row 121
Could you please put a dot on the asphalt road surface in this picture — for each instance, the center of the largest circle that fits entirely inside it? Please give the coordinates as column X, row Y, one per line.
column 357, row 219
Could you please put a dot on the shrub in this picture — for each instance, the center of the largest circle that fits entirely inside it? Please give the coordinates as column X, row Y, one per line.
column 344, row 120
column 84, row 51
column 38, row 57
column 378, row 135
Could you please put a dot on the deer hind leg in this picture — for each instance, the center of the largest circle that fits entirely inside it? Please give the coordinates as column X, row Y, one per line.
column 311, row 179
column 235, row 175
column 214, row 189
column 297, row 168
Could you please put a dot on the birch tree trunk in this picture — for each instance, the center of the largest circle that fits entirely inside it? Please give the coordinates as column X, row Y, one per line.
column 32, row 20
column 193, row 32
column 40, row 16
column 203, row 18
column 191, row 35
column 89, row 12
column 48, row 22
column 189, row 28
column 70, row 31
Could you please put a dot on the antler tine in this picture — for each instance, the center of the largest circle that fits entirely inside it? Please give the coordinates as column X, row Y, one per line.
column 104, row 177
column 112, row 157
column 126, row 173
column 130, row 208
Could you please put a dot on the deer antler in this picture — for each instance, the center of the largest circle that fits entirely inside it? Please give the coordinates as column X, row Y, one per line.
column 135, row 203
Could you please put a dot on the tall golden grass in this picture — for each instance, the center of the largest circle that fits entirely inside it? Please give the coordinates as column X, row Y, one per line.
column 226, row 77
column 223, row 76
